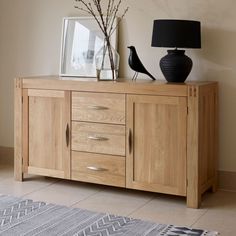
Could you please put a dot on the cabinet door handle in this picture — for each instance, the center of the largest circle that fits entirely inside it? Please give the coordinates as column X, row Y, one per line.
column 94, row 107
column 96, row 168
column 67, row 135
column 97, row 138
column 130, row 141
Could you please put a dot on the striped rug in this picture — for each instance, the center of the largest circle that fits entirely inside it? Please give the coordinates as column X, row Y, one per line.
column 29, row 218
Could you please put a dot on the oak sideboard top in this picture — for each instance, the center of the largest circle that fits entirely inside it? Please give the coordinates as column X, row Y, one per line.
column 140, row 86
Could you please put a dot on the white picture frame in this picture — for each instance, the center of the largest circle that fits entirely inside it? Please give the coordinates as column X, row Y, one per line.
column 81, row 40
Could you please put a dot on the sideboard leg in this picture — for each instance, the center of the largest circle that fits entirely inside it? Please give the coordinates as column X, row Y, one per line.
column 216, row 141
column 193, row 168
column 18, row 155
column 194, row 200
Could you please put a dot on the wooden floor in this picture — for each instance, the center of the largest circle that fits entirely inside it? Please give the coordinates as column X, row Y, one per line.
column 218, row 210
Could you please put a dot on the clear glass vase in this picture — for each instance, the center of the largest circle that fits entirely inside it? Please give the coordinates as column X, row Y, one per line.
column 107, row 63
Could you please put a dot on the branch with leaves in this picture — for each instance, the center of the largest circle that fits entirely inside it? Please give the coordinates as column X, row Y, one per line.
column 106, row 19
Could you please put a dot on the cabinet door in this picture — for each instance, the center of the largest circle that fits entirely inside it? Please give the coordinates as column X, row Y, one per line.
column 156, row 156
column 47, row 132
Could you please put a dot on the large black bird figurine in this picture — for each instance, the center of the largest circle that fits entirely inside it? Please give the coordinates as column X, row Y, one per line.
column 136, row 65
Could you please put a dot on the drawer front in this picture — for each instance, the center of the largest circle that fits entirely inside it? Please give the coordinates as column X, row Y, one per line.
column 97, row 168
column 98, row 138
column 98, row 107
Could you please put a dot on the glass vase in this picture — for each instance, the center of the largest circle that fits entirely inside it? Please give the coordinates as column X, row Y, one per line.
column 107, row 63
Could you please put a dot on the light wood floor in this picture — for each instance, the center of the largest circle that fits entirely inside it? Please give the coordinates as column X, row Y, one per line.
column 218, row 210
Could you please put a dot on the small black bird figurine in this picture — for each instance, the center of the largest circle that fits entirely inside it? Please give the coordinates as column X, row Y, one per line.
column 136, row 65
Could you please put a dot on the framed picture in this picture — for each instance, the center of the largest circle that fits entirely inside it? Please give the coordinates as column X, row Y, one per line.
column 81, row 40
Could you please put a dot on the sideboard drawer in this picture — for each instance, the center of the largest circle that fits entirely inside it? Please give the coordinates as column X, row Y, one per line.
column 98, row 138
column 97, row 168
column 98, row 107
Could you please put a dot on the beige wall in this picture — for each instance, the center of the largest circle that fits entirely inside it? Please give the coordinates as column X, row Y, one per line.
column 30, row 32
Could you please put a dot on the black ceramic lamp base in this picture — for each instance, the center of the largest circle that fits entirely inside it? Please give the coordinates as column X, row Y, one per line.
column 176, row 66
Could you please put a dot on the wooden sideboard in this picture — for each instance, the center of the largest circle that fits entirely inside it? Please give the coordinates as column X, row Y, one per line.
column 143, row 135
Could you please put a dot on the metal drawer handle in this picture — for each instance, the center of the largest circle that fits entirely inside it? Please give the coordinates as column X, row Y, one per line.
column 98, row 138
column 96, row 168
column 98, row 108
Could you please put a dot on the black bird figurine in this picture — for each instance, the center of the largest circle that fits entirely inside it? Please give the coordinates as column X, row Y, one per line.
column 136, row 65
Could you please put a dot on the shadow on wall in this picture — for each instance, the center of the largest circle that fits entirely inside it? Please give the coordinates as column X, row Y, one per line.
column 123, row 50
column 218, row 60
column 218, row 52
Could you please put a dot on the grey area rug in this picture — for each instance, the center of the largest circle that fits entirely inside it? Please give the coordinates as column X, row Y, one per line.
column 26, row 217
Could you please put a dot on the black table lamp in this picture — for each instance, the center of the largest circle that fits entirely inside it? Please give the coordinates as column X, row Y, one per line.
column 176, row 66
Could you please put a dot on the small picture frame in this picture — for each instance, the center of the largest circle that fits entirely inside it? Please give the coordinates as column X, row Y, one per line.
column 81, row 40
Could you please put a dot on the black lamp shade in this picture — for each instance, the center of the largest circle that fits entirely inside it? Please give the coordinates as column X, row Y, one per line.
column 176, row 34
column 176, row 66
